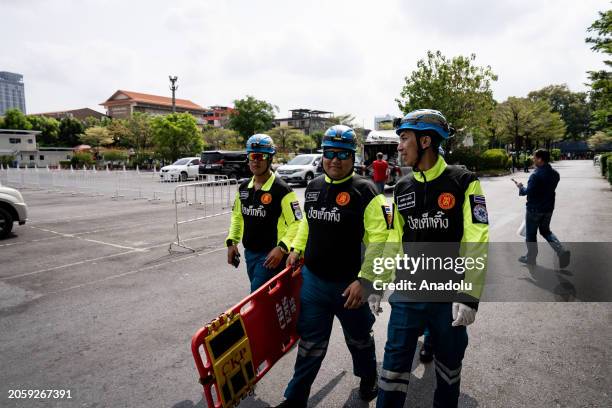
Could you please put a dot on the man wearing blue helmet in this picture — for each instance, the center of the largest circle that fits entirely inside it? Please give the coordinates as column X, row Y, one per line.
column 343, row 212
column 266, row 216
column 440, row 214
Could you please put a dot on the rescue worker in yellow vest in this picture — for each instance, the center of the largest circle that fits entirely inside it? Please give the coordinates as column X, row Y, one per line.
column 343, row 212
column 440, row 224
column 266, row 216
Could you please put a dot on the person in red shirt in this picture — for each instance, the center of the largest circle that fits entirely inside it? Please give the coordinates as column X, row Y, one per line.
column 380, row 171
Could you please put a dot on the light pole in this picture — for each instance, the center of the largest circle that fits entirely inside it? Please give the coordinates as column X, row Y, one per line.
column 173, row 88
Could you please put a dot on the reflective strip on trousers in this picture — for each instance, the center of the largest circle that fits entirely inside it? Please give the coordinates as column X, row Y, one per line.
column 449, row 376
column 360, row 344
column 312, row 349
column 393, row 375
column 392, row 386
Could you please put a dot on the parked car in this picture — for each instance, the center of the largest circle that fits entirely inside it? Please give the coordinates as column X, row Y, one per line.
column 12, row 209
column 182, row 169
column 301, row 169
column 233, row 164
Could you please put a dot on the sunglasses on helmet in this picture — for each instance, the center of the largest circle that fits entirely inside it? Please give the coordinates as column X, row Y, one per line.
column 341, row 155
column 253, row 156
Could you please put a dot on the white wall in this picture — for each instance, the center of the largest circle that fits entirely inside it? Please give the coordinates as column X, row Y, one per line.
column 26, row 142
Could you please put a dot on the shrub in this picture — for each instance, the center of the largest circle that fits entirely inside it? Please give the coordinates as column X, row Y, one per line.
column 493, row 159
column 555, row 154
column 7, row 161
column 80, row 159
column 610, row 171
column 64, row 163
column 115, row 155
column 466, row 156
column 603, row 163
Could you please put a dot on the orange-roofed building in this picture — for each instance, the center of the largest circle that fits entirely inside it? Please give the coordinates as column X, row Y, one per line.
column 122, row 104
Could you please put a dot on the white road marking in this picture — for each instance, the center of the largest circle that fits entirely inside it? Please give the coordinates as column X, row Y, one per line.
column 132, row 251
column 64, row 266
column 90, row 240
column 136, row 271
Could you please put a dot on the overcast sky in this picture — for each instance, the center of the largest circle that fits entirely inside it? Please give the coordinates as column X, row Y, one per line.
column 340, row 56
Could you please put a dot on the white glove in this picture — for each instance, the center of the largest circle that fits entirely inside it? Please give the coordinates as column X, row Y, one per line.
column 374, row 302
column 463, row 315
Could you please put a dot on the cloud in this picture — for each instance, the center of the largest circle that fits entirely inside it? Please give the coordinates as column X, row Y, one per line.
column 342, row 56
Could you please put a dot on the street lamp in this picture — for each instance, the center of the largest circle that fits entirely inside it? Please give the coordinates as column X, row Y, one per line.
column 173, row 88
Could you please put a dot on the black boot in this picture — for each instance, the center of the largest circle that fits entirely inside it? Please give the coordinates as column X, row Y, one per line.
column 564, row 259
column 368, row 389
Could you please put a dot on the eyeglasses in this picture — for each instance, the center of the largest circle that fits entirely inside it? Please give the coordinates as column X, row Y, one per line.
column 258, row 156
column 342, row 154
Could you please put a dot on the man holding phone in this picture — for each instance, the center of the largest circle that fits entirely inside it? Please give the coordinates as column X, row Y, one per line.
column 540, row 192
column 266, row 216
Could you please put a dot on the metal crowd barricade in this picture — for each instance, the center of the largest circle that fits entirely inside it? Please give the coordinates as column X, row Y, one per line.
column 200, row 200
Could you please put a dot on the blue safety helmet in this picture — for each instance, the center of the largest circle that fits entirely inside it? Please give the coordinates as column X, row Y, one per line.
column 340, row 136
column 260, row 143
column 425, row 119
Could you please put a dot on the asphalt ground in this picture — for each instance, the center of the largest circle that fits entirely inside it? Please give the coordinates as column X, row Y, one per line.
column 91, row 301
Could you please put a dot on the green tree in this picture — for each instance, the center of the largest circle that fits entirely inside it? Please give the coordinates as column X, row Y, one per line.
column 456, row 87
column 523, row 122
column 317, row 137
column 15, row 119
column 176, row 135
column 601, row 81
column 225, row 139
column 97, row 136
column 251, row 116
column 600, row 141
column 572, row 106
column 139, row 133
column 49, row 128
column 290, row 140
column 120, row 133
column 70, row 130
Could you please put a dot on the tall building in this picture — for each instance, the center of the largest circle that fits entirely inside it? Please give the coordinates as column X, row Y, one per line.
column 12, row 94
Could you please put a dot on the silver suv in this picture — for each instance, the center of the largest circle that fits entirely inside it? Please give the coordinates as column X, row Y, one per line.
column 12, row 209
column 301, row 169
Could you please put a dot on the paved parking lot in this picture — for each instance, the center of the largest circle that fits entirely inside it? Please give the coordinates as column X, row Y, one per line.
column 92, row 301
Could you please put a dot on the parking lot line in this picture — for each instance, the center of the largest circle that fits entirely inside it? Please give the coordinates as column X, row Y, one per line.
column 95, row 241
column 65, row 266
column 119, row 275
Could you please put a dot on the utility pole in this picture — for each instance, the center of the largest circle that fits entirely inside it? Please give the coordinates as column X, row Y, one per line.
column 173, row 88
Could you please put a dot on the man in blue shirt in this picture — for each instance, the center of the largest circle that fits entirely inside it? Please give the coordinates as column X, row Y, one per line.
column 540, row 192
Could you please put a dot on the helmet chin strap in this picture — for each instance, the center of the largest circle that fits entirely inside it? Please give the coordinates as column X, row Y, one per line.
column 420, row 153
